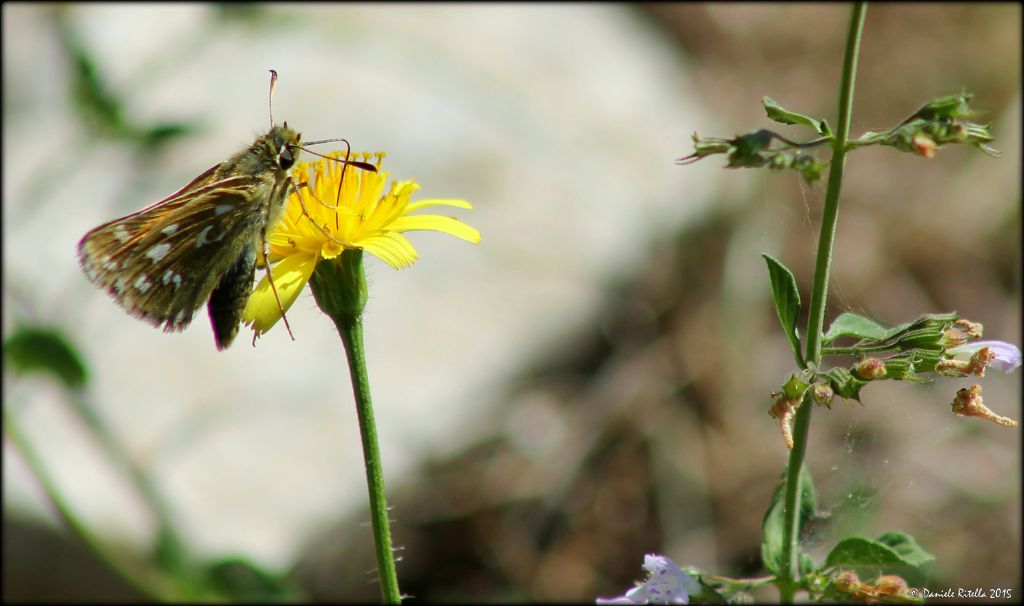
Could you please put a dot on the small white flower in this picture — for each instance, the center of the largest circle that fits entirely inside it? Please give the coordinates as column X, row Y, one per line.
column 666, row 584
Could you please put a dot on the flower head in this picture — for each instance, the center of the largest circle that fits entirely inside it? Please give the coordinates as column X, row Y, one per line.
column 960, row 332
column 869, row 369
column 823, row 394
column 924, row 145
column 981, row 354
column 886, row 586
column 968, row 403
column 328, row 214
column 666, row 584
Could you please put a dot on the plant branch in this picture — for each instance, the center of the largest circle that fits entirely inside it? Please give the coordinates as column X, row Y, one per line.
column 790, row 574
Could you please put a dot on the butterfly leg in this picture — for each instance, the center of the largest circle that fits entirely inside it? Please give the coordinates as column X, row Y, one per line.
column 327, row 234
column 270, row 278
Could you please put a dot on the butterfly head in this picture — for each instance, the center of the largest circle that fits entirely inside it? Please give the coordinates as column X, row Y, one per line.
column 283, row 144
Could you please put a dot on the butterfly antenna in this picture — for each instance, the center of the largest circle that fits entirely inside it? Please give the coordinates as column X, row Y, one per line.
column 348, row 152
column 270, row 97
column 357, row 163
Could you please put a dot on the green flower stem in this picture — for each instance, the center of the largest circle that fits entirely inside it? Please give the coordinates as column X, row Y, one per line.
column 823, row 266
column 352, row 336
column 133, row 573
column 339, row 286
column 790, row 574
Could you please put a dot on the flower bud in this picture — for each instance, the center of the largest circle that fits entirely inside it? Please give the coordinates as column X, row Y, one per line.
column 890, row 584
column 972, row 329
column 961, row 332
column 924, row 145
column 822, row 394
column 869, row 369
column 847, row 582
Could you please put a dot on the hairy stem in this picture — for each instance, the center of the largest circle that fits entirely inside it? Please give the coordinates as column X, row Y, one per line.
column 789, row 576
column 352, row 336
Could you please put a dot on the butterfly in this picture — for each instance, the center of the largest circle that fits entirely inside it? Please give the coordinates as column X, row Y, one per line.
column 199, row 245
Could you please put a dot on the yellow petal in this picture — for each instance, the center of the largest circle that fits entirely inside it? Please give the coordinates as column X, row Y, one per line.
column 393, row 248
column 290, row 275
column 439, row 202
column 446, row 225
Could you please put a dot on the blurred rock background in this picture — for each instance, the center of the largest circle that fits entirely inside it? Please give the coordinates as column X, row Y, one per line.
column 588, row 385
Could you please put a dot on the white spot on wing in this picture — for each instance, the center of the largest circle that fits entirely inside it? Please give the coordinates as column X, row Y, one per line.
column 169, row 276
column 122, row 234
column 142, row 284
column 158, row 252
column 170, row 229
column 220, row 209
column 202, row 236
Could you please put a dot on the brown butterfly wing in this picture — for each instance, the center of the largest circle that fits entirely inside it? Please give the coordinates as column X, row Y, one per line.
column 162, row 263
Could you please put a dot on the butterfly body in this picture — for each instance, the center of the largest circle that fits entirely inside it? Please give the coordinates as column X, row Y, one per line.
column 199, row 245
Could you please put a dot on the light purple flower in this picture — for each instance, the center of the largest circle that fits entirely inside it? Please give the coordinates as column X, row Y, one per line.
column 666, row 584
column 1006, row 355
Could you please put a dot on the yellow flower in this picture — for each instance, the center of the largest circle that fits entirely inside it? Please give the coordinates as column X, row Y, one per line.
column 327, row 215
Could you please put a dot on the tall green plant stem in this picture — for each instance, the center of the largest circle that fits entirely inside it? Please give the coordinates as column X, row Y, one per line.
column 352, row 336
column 790, row 573
column 339, row 287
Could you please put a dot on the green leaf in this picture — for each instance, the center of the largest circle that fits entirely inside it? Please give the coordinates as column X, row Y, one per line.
column 921, row 338
column 926, row 332
column 806, row 565
column 35, row 349
column 774, row 519
column 242, row 580
column 854, row 552
column 854, row 325
column 153, row 138
column 907, row 548
column 99, row 107
column 746, row 149
column 780, row 114
column 709, row 594
column 786, row 298
column 944, row 108
column 924, row 337
column 893, row 553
